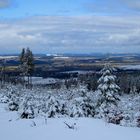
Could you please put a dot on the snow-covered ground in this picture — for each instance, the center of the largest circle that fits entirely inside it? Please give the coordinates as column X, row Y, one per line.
column 61, row 57
column 12, row 128
column 79, row 71
column 8, row 57
column 130, row 67
column 40, row 80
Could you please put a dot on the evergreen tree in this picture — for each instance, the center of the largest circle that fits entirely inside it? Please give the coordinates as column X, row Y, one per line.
column 82, row 106
column 27, row 107
column 108, row 90
column 14, row 99
column 54, row 107
column 3, row 72
column 22, row 56
column 22, row 66
column 27, row 64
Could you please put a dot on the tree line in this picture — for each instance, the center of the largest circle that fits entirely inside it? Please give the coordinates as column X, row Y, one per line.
column 25, row 69
column 128, row 82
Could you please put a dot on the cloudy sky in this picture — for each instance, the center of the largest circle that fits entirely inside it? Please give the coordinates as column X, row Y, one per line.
column 70, row 26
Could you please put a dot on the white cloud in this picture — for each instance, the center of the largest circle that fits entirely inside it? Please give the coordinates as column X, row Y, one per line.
column 71, row 34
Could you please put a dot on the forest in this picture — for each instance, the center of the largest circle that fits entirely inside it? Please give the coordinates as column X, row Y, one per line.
column 106, row 94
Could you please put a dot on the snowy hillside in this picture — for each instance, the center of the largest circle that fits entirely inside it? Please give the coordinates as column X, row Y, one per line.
column 69, row 112
column 12, row 128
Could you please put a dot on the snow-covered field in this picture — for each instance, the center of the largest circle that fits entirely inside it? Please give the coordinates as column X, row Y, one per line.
column 79, row 72
column 40, row 80
column 12, row 128
column 69, row 113
column 8, row 57
column 130, row 67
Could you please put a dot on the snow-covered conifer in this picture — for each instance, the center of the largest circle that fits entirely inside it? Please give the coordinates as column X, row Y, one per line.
column 13, row 104
column 27, row 107
column 13, row 99
column 82, row 106
column 108, row 90
column 55, row 108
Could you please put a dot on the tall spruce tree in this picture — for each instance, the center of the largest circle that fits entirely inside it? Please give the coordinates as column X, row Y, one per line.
column 27, row 64
column 108, row 90
column 22, row 56
column 22, row 67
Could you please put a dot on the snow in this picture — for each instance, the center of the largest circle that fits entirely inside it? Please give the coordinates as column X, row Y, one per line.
column 52, row 55
column 79, row 71
column 61, row 57
column 40, row 80
column 130, row 67
column 8, row 57
column 12, row 128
